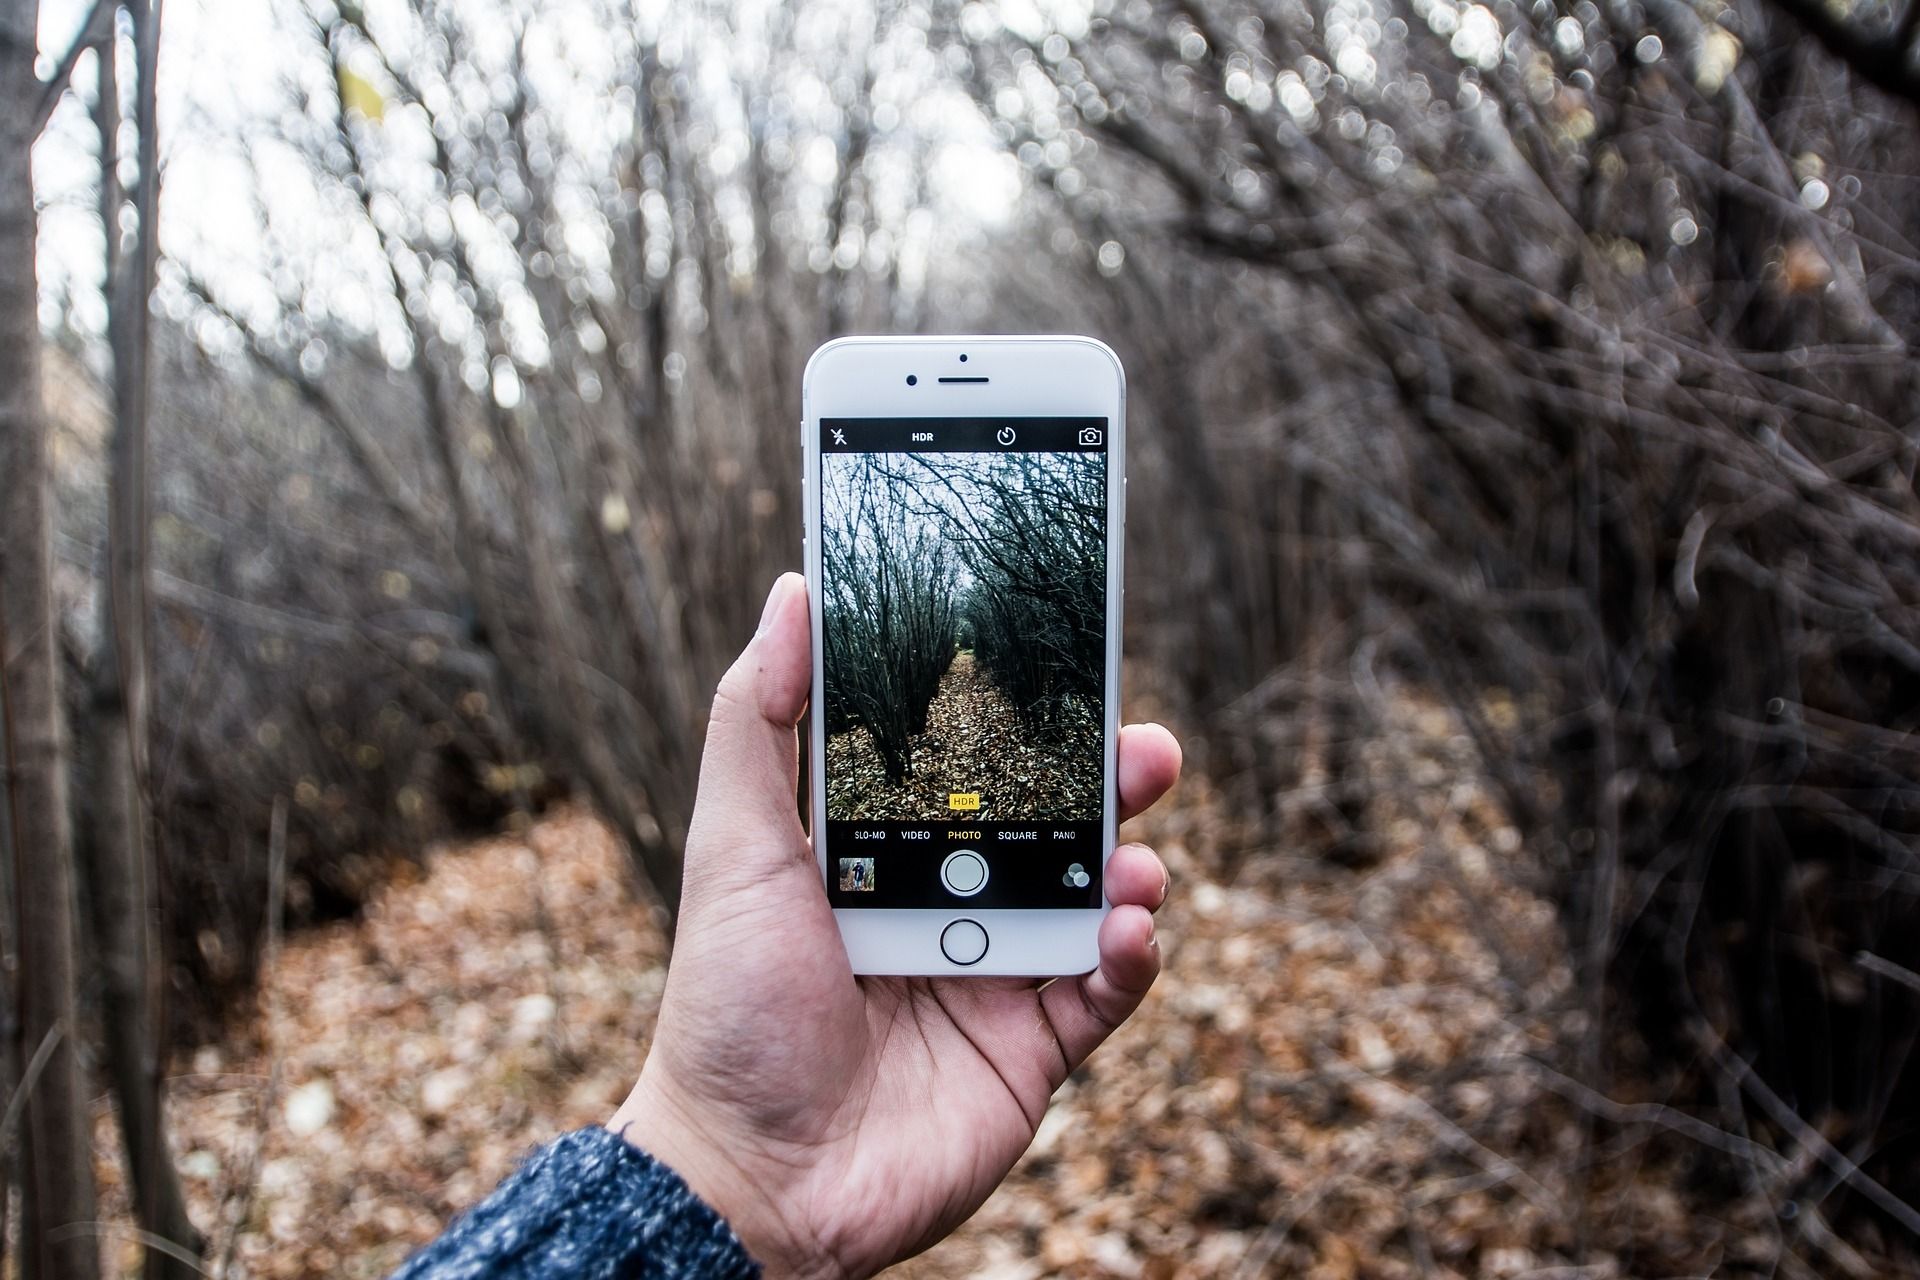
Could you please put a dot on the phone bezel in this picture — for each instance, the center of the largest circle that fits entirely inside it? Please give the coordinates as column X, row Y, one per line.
column 1028, row 376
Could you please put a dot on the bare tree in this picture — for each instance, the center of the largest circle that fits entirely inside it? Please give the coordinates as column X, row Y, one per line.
column 1034, row 533
column 56, row 1155
column 605, row 341
column 1581, row 364
column 9, row 1019
column 888, row 610
column 116, row 838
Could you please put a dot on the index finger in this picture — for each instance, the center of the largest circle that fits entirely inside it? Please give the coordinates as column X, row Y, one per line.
column 1149, row 765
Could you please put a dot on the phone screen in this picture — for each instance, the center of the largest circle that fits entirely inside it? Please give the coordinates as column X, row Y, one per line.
column 964, row 618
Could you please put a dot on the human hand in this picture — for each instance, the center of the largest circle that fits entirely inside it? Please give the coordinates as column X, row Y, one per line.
column 842, row 1123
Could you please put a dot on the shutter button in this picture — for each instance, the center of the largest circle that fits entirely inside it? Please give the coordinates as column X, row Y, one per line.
column 964, row 873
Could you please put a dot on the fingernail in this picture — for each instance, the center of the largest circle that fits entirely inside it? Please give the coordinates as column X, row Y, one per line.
column 773, row 603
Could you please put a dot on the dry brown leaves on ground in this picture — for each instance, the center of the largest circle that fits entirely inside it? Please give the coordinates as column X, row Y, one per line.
column 416, row 1054
column 973, row 743
column 1341, row 1074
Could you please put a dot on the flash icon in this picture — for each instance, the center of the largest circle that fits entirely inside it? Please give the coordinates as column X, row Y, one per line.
column 839, row 436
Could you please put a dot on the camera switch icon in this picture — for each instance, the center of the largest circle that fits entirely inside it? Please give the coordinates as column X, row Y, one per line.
column 1090, row 437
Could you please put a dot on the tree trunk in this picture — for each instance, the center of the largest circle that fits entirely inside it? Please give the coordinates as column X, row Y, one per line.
column 56, row 1236
column 9, row 1024
column 118, row 846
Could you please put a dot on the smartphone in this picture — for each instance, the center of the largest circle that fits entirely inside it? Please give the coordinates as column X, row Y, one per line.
column 965, row 513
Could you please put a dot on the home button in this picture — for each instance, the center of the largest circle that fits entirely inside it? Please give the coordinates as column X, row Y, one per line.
column 964, row 873
column 964, row 941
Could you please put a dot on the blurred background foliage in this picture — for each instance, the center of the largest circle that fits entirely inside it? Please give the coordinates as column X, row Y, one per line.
column 1554, row 360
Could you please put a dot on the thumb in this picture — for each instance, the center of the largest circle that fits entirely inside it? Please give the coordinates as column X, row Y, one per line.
column 745, row 814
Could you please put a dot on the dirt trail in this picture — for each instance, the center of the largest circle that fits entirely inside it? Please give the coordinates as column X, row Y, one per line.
column 973, row 744
column 1341, row 1073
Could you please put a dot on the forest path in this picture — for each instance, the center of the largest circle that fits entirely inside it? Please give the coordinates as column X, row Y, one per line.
column 974, row 744
column 1342, row 1073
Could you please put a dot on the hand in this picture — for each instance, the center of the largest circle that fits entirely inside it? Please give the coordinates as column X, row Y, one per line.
column 841, row 1123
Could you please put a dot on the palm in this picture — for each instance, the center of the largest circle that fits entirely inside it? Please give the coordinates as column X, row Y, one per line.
column 955, row 1082
column 843, row 1123
column 909, row 1097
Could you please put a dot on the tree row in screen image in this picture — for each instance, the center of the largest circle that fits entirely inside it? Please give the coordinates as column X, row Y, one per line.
column 965, row 603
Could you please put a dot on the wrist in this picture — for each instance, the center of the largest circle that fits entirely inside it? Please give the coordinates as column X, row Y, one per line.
column 754, row 1204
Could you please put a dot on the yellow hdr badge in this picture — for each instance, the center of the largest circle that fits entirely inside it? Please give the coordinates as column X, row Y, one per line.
column 964, row 801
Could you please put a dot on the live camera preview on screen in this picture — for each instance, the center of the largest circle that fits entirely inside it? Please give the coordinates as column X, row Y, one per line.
column 964, row 600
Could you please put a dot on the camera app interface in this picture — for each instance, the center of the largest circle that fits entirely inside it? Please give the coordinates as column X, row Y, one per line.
column 964, row 566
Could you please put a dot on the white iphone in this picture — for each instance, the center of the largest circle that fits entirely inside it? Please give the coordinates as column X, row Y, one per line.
column 965, row 505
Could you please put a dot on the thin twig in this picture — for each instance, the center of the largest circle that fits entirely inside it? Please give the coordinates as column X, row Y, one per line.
column 146, row 1239
column 1785, row 1116
column 28, row 1078
column 270, row 988
column 1658, row 1115
column 1879, row 964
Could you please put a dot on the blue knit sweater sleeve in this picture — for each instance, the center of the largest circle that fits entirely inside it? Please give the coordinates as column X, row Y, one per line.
column 588, row 1205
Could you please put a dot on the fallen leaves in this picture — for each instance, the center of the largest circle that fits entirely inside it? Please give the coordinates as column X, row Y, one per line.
column 420, row 1052
column 973, row 743
column 1341, row 1074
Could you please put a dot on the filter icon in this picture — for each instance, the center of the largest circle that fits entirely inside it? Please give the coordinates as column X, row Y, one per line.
column 1076, row 877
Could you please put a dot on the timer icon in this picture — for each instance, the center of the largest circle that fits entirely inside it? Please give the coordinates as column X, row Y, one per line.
column 1004, row 436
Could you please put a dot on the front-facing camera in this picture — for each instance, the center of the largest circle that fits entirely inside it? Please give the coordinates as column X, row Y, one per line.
column 911, row 380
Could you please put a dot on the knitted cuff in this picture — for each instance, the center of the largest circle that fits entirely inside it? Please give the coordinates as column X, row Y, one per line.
column 589, row 1204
